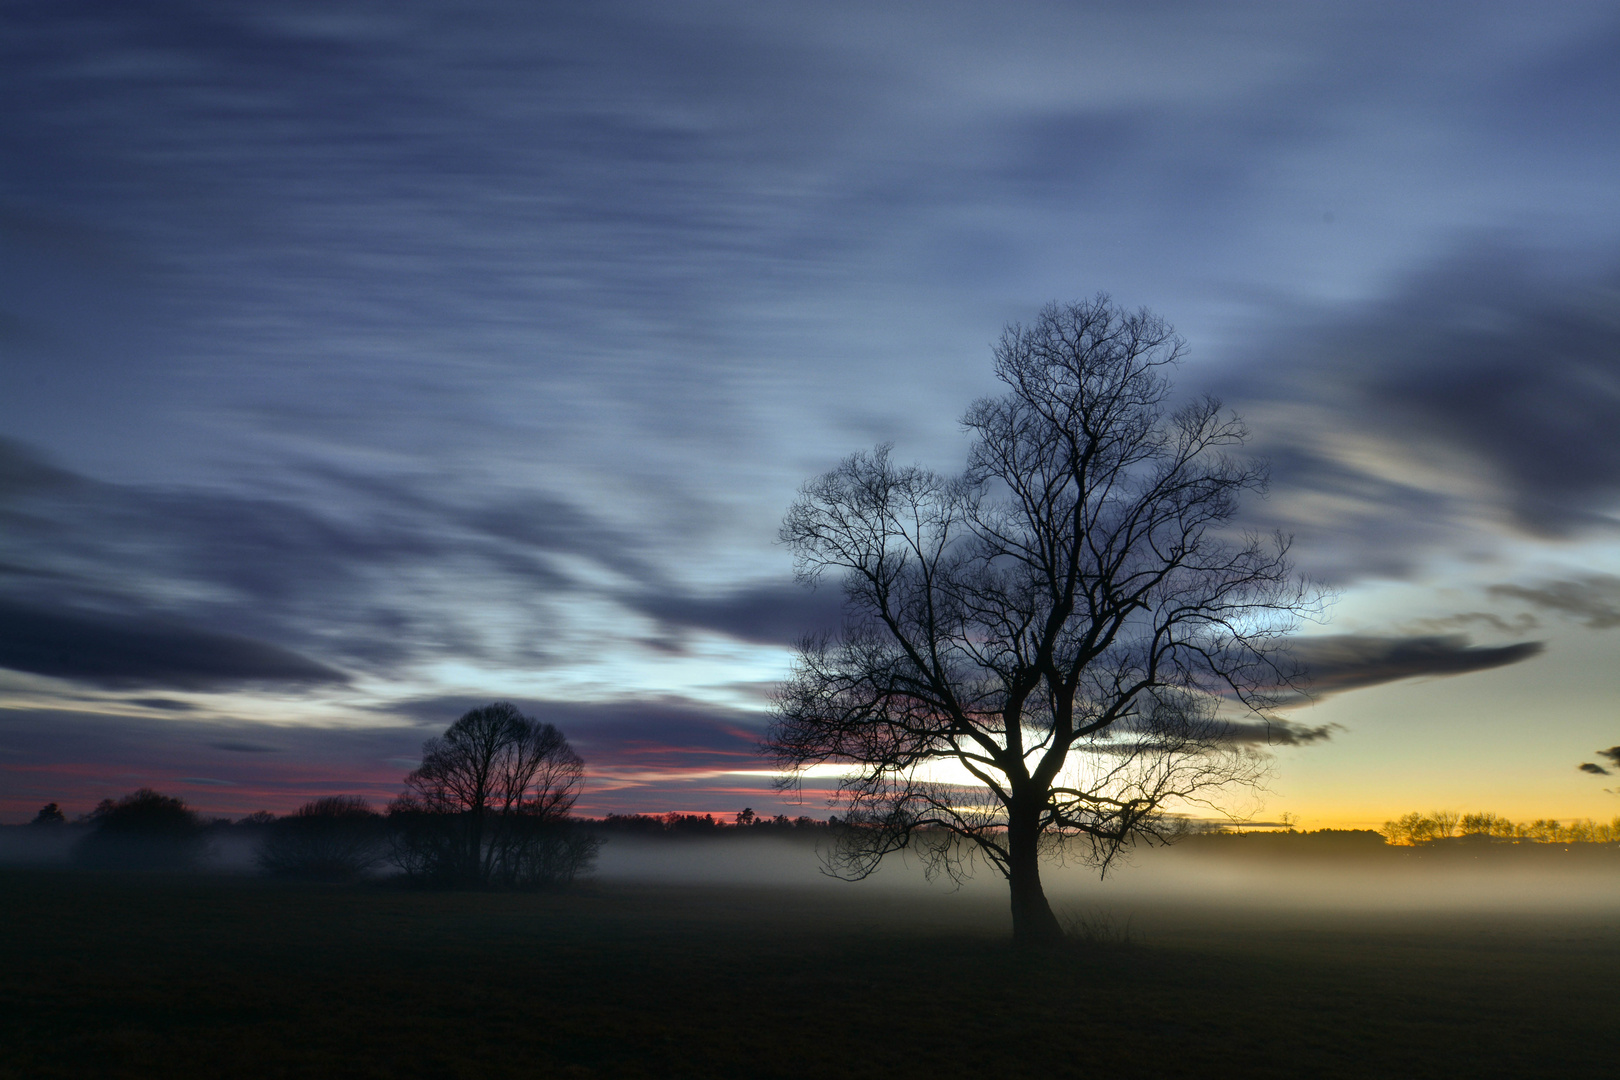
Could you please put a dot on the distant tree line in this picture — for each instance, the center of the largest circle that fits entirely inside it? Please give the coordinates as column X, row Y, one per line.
column 678, row 824
column 1441, row 825
column 490, row 806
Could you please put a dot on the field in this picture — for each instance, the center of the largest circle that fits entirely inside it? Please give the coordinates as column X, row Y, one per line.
column 132, row 975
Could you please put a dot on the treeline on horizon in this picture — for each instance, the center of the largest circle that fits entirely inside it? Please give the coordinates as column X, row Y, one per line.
column 1440, row 826
column 674, row 822
column 148, row 812
column 343, row 838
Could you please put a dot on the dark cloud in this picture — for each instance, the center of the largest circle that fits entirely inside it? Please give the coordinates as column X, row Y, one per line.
column 114, row 652
column 24, row 472
column 668, row 734
column 1496, row 366
column 1343, row 662
column 1587, row 766
column 772, row 614
column 320, row 571
column 1594, row 599
column 77, row 758
column 1278, row 732
column 1613, row 754
column 244, row 748
column 164, row 704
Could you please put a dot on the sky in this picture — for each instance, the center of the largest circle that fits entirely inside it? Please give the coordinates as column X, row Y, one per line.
column 361, row 364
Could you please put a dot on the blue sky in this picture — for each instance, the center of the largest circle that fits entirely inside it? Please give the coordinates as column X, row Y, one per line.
column 362, row 363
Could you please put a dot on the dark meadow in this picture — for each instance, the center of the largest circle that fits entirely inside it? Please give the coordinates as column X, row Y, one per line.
column 697, row 947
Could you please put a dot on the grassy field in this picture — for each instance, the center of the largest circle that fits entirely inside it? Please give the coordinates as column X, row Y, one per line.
column 121, row 976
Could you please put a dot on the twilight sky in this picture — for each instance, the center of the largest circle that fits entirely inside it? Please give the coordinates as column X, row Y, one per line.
column 362, row 363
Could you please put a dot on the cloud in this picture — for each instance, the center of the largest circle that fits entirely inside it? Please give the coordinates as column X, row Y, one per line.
column 664, row 735
column 1587, row 766
column 1594, row 599
column 1344, row 662
column 1613, row 754
column 77, row 758
column 375, row 572
column 114, row 651
column 1482, row 394
column 164, row 704
column 1441, row 624
column 771, row 614
column 1279, row 732
column 244, row 748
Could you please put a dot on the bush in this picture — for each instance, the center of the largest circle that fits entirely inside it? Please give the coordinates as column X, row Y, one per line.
column 49, row 815
column 333, row 839
column 142, row 831
column 519, row 852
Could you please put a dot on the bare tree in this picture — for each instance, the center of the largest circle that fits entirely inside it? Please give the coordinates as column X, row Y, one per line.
column 1039, row 650
column 489, row 804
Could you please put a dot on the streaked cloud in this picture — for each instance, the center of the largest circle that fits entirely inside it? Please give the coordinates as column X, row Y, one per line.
column 1342, row 662
column 1594, row 600
column 1479, row 399
column 122, row 652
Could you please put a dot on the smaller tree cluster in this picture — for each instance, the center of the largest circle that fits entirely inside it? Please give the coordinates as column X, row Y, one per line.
column 678, row 824
column 144, row 830
column 1441, row 825
column 489, row 805
column 49, row 815
column 332, row 839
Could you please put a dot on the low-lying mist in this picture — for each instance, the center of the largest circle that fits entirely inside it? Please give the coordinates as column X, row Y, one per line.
column 1531, row 877
column 1251, row 872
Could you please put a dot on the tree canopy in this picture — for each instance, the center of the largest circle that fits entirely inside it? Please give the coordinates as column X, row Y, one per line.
column 489, row 804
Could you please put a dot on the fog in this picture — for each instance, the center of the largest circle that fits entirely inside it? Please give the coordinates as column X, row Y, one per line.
column 1526, row 878
column 1498, row 878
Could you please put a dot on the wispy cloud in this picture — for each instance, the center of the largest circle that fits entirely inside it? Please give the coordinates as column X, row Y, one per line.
column 1476, row 400
column 1594, row 599
column 1341, row 662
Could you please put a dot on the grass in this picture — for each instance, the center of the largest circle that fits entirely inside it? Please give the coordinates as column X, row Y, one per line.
column 131, row 976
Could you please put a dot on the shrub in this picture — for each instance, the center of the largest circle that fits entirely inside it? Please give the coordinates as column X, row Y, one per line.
column 332, row 839
column 144, row 830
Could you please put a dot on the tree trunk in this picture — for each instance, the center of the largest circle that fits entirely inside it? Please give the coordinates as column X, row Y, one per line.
column 1033, row 921
column 474, row 867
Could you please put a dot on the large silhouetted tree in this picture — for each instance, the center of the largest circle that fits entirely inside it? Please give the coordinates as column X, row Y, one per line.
column 489, row 804
column 1037, row 651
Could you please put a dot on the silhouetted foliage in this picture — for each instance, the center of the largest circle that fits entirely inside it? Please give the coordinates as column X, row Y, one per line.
column 489, row 805
column 332, row 839
column 676, row 824
column 50, row 814
column 1059, row 624
column 1324, row 843
column 144, row 830
column 1438, row 827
